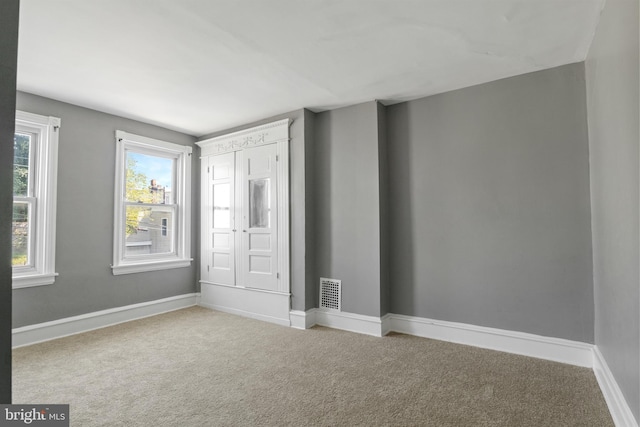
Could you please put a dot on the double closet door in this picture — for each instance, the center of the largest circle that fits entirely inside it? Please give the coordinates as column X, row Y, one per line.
column 241, row 224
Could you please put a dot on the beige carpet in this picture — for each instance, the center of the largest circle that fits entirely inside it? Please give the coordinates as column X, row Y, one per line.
column 197, row 367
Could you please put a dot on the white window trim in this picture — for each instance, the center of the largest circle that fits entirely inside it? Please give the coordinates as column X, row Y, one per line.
column 182, row 255
column 42, row 272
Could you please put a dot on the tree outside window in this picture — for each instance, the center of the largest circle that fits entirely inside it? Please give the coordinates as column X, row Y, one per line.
column 20, row 225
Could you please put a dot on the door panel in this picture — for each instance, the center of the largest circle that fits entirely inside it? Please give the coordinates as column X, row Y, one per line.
column 221, row 219
column 221, row 240
column 221, row 261
column 260, row 242
column 260, row 264
column 260, row 220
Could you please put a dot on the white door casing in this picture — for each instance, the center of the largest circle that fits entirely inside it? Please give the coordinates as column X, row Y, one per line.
column 255, row 261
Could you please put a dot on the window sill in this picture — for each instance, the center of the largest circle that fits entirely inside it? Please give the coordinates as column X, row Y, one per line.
column 149, row 266
column 31, row 280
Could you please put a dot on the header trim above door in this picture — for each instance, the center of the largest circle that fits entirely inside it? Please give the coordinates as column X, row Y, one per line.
column 260, row 135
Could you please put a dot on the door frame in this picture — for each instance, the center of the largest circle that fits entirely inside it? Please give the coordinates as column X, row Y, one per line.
column 270, row 133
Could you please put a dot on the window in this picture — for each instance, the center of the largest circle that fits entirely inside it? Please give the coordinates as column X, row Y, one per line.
column 152, row 205
column 35, row 162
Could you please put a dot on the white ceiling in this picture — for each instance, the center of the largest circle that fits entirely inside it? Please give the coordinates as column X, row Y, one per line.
column 200, row 66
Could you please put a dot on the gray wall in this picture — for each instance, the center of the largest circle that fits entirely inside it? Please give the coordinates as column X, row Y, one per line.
column 385, row 209
column 9, row 14
column 311, row 276
column 612, row 95
column 347, row 193
column 84, row 238
column 490, row 210
column 297, row 202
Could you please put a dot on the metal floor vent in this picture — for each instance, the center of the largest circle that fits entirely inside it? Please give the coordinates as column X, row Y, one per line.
column 330, row 293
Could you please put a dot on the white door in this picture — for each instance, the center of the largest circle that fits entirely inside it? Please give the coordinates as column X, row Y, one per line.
column 260, row 218
column 221, row 263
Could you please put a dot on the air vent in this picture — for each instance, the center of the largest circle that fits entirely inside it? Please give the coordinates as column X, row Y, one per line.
column 330, row 293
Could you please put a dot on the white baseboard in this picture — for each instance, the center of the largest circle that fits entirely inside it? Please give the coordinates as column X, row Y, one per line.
column 249, row 314
column 541, row 347
column 267, row 306
column 298, row 319
column 386, row 324
column 46, row 331
column 556, row 349
column 302, row 319
column 618, row 407
column 359, row 323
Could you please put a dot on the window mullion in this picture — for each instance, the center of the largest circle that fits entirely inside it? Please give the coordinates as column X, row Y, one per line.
column 150, row 204
column 24, row 199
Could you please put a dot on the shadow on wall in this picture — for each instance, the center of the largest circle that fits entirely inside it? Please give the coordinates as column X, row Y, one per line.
column 402, row 255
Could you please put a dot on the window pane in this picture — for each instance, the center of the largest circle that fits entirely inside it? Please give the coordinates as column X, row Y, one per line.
column 149, row 230
column 20, row 234
column 149, row 179
column 259, row 203
column 21, row 150
column 222, row 205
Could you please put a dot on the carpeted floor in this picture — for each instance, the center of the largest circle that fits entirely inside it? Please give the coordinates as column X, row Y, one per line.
column 197, row 367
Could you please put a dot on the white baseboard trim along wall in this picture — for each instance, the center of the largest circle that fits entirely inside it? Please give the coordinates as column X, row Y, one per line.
column 268, row 306
column 620, row 411
column 46, row 331
column 336, row 319
column 301, row 319
column 368, row 325
column 541, row 347
column 555, row 349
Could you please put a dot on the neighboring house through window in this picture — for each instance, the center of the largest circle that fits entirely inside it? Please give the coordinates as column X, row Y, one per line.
column 165, row 222
column 152, row 204
column 35, row 163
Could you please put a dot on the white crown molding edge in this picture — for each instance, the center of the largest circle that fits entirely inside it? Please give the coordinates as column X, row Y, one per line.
column 618, row 407
column 60, row 328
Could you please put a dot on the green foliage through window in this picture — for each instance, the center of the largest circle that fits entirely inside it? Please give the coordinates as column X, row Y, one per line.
column 20, row 222
column 21, row 148
column 136, row 190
